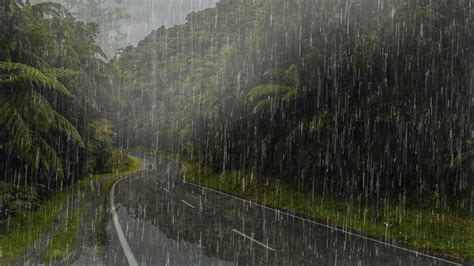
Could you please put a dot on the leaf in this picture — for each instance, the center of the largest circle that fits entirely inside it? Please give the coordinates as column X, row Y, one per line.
column 17, row 130
column 291, row 95
column 59, row 73
column 262, row 104
column 49, row 158
column 20, row 76
column 266, row 89
column 65, row 127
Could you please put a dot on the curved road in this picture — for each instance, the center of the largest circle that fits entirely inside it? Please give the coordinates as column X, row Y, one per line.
column 165, row 221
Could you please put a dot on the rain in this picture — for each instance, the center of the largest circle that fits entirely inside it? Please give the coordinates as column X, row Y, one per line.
column 236, row 132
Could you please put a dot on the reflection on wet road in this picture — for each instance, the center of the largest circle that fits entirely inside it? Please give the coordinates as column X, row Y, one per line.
column 167, row 222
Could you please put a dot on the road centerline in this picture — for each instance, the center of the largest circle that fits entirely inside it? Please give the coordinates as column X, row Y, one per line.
column 253, row 240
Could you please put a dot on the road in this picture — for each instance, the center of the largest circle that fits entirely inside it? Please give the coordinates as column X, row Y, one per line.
column 166, row 221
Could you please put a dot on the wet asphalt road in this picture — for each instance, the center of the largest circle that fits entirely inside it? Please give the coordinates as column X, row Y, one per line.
column 168, row 222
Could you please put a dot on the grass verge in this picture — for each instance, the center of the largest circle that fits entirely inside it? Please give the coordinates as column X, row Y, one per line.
column 64, row 238
column 25, row 229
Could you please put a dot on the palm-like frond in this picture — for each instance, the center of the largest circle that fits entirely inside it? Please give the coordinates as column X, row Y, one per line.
column 35, row 109
column 15, row 128
column 23, row 110
column 49, row 158
column 285, row 89
column 59, row 73
column 20, row 76
column 289, row 76
column 268, row 89
column 261, row 105
column 270, row 92
column 66, row 128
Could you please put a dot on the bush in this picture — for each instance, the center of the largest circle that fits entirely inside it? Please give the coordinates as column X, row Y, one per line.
column 17, row 200
column 100, row 147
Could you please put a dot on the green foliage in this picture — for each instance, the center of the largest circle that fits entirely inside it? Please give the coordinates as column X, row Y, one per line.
column 25, row 110
column 16, row 201
column 275, row 92
column 16, row 76
column 52, row 79
column 20, row 231
column 100, row 146
column 268, row 90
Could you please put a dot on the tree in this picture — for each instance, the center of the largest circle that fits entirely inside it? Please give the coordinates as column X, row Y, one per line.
column 29, row 123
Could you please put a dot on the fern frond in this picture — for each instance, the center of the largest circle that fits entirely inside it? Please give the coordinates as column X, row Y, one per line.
column 291, row 75
column 40, row 113
column 35, row 109
column 59, row 73
column 262, row 104
column 275, row 73
column 49, row 159
column 66, row 128
column 17, row 130
column 267, row 89
column 291, row 95
column 288, row 77
column 20, row 76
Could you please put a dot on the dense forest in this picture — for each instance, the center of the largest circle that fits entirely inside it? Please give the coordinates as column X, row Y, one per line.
column 369, row 101
column 52, row 79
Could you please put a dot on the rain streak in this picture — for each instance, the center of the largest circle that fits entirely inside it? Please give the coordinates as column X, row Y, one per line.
column 236, row 132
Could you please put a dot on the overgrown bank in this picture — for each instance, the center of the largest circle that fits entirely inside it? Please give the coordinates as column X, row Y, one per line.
column 20, row 231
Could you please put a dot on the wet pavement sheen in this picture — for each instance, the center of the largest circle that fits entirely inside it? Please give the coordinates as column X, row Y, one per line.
column 168, row 222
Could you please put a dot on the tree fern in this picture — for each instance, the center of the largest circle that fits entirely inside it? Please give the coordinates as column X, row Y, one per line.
column 18, row 133
column 285, row 89
column 48, row 158
column 25, row 110
column 19, row 76
column 268, row 89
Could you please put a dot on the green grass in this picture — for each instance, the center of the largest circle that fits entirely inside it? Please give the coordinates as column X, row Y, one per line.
column 64, row 238
column 24, row 230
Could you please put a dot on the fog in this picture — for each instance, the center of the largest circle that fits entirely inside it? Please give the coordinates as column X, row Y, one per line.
column 147, row 15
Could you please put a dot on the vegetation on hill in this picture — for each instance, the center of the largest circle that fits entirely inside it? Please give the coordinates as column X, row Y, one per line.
column 367, row 103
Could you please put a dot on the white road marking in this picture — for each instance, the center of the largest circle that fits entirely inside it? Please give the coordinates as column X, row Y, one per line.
column 253, row 240
column 188, row 204
column 123, row 240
